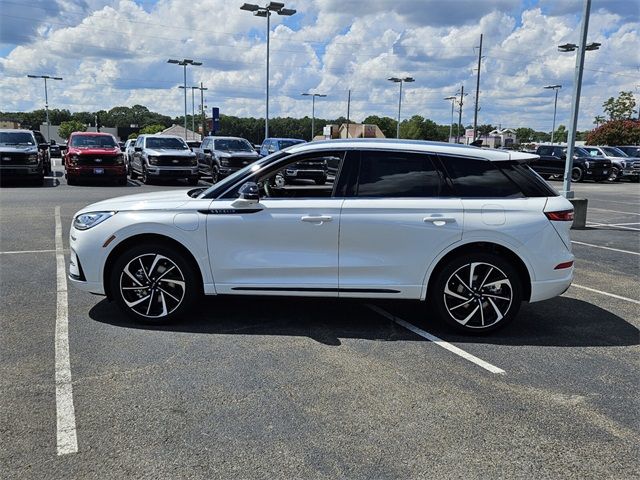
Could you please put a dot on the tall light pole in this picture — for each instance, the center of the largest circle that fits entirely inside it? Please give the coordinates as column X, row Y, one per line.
column 400, row 81
column 575, row 100
column 258, row 11
column 46, row 100
column 313, row 110
column 184, row 64
column 475, row 113
column 453, row 101
column 555, row 106
column 193, row 109
column 204, row 122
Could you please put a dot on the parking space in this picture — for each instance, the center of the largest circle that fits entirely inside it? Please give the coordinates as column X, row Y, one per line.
column 298, row 388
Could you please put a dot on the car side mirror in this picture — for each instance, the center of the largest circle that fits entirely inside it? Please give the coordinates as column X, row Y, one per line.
column 137, row 149
column 249, row 194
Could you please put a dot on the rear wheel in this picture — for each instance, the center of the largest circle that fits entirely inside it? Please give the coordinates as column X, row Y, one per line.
column 577, row 175
column 477, row 293
column 154, row 283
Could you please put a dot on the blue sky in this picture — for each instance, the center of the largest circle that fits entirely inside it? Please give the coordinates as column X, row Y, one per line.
column 114, row 52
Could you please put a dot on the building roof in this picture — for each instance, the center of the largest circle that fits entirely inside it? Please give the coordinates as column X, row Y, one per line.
column 178, row 131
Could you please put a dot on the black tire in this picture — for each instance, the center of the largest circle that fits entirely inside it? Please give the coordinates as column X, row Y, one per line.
column 145, row 178
column 577, row 175
column 71, row 181
column 613, row 176
column 132, row 173
column 122, row 181
column 489, row 303
column 215, row 177
column 155, row 284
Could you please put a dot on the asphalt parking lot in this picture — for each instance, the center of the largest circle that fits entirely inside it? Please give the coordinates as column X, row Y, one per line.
column 290, row 388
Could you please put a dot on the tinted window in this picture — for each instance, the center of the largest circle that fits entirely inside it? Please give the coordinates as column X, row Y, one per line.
column 479, row 178
column 93, row 141
column 530, row 183
column 288, row 143
column 233, row 145
column 392, row 174
column 16, row 138
column 169, row 143
column 545, row 151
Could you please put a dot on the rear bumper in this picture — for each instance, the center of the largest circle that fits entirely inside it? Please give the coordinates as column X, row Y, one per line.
column 546, row 289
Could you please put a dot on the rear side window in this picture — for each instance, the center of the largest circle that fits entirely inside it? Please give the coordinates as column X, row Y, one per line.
column 394, row 174
column 545, row 151
column 530, row 183
column 476, row 178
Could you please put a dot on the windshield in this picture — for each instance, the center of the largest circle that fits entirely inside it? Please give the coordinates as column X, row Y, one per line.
column 223, row 185
column 233, row 145
column 614, row 152
column 168, row 143
column 581, row 152
column 16, row 138
column 288, row 143
column 92, row 141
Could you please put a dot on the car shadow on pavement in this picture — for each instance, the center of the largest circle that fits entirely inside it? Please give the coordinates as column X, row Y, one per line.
column 562, row 321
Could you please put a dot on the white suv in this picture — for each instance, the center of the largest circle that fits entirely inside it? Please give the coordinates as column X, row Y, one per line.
column 474, row 232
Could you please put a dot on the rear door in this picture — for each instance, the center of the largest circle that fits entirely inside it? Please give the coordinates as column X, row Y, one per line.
column 393, row 225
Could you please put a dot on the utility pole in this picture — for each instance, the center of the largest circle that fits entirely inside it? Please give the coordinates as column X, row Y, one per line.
column 475, row 114
column 183, row 63
column 204, row 118
column 460, row 103
column 46, row 100
column 348, row 110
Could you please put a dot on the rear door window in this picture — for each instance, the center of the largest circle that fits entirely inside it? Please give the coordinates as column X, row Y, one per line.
column 477, row 178
column 397, row 175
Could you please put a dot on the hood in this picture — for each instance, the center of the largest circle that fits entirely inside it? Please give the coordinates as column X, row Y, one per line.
column 94, row 151
column 19, row 148
column 167, row 200
column 156, row 152
column 226, row 154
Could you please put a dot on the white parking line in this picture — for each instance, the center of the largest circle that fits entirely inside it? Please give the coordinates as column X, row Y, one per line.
column 605, row 248
column 67, row 441
column 438, row 341
column 606, row 293
column 26, row 251
column 613, row 211
column 593, row 224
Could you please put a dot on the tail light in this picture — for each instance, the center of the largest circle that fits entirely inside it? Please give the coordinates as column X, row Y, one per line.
column 561, row 216
column 564, row 265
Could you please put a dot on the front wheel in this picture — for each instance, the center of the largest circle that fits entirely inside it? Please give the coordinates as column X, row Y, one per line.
column 477, row 293
column 613, row 176
column 145, row 176
column 577, row 175
column 154, row 283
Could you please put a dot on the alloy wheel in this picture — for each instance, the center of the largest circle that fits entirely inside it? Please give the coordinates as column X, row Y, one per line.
column 152, row 285
column 478, row 295
column 614, row 174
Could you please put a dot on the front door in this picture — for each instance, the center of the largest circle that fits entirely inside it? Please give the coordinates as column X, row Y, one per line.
column 285, row 244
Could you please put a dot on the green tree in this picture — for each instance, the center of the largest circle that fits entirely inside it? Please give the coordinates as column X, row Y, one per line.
column 386, row 124
column 616, row 132
column 525, row 135
column 67, row 128
column 485, row 129
column 598, row 120
column 561, row 134
column 620, row 108
column 151, row 129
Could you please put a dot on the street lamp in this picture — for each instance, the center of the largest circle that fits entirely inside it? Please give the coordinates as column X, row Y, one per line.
column 184, row 64
column 313, row 109
column 46, row 100
column 400, row 81
column 577, row 86
column 258, row 11
column 193, row 109
column 555, row 105
column 453, row 101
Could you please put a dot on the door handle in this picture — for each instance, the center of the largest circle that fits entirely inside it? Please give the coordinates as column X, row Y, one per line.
column 316, row 218
column 439, row 221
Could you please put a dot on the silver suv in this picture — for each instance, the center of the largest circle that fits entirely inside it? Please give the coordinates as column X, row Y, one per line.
column 157, row 157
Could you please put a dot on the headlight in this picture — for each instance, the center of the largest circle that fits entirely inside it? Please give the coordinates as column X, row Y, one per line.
column 85, row 221
column 119, row 159
column 32, row 159
column 224, row 162
column 153, row 160
column 194, row 161
column 587, row 164
column 73, row 159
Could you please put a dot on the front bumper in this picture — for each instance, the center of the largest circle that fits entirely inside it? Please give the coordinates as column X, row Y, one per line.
column 173, row 172
column 85, row 171
column 21, row 171
column 597, row 173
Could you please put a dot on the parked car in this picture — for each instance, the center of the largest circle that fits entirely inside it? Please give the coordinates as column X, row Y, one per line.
column 163, row 157
column 552, row 162
column 622, row 165
column 94, row 155
column 474, row 232
column 54, row 149
column 44, row 149
column 630, row 150
column 20, row 156
column 128, row 152
column 271, row 145
column 219, row 157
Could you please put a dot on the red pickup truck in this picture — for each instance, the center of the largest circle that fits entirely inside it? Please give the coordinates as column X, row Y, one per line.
column 94, row 155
